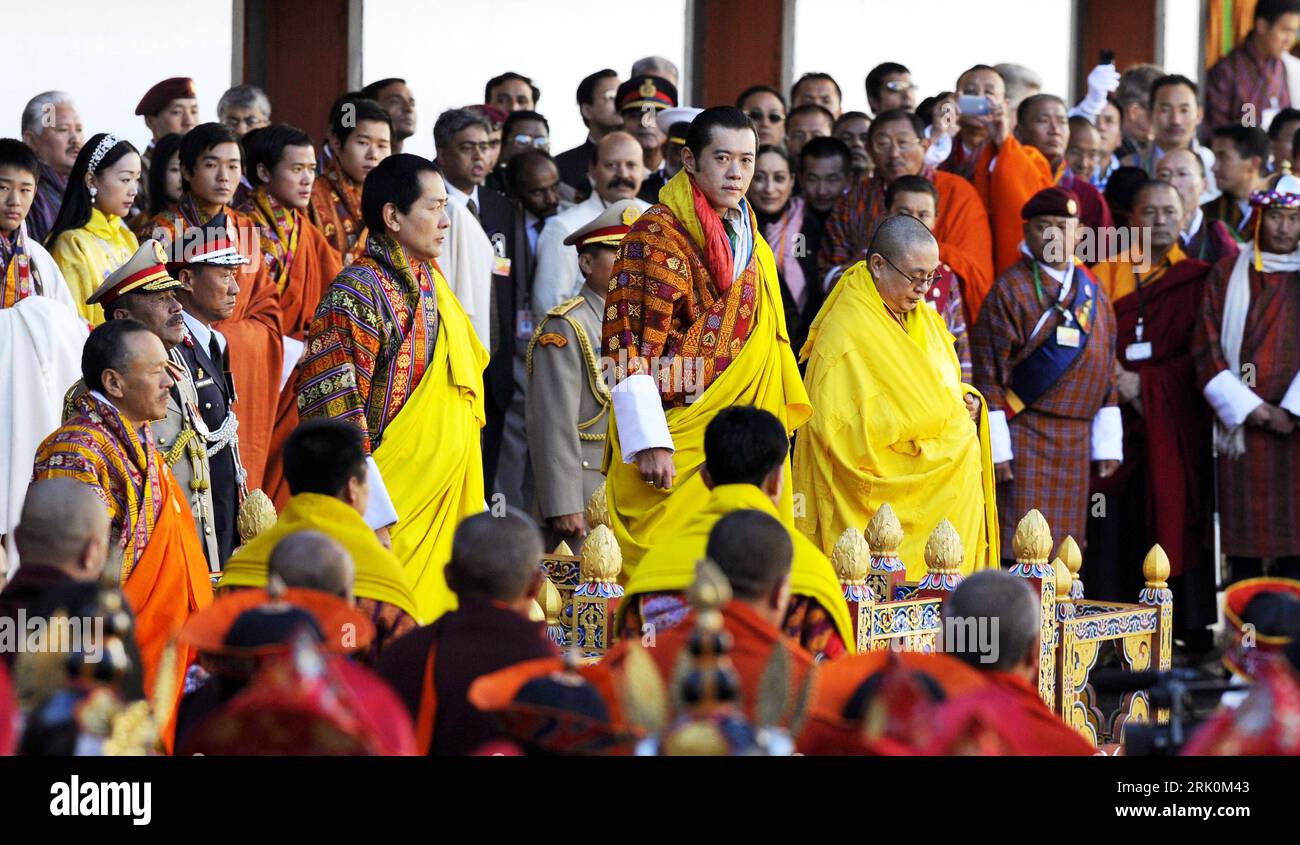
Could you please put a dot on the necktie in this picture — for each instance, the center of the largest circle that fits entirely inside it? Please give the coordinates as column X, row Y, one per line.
column 214, row 350
column 473, row 208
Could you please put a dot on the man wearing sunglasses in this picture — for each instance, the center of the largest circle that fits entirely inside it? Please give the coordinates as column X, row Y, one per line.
column 892, row 421
column 523, row 130
column 890, row 86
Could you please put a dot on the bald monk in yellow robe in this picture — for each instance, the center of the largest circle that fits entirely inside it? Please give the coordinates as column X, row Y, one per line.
column 892, row 421
column 693, row 313
column 745, row 454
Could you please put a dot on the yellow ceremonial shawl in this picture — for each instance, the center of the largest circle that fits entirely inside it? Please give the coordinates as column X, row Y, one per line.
column 670, row 564
column 431, row 460
column 379, row 575
column 763, row 374
column 890, row 426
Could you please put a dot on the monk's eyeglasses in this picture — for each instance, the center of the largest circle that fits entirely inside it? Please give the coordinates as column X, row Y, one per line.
column 916, row 283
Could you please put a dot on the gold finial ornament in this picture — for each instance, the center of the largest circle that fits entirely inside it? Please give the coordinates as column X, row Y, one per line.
column 1063, row 579
column 1069, row 554
column 944, row 552
column 602, row 560
column 550, row 601
column 563, row 550
column 710, row 590
column 851, row 557
column 256, row 514
column 1155, row 568
column 597, row 509
column 1032, row 542
column 884, row 532
column 1286, row 167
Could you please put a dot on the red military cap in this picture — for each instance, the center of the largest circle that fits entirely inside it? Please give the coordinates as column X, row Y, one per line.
column 157, row 97
column 1054, row 201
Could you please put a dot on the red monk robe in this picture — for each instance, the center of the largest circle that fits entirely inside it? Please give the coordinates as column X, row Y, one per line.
column 163, row 571
column 301, row 262
column 965, row 242
column 1018, row 172
column 253, row 332
column 1161, row 492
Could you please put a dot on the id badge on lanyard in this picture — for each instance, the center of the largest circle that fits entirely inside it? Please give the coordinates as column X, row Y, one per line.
column 1140, row 350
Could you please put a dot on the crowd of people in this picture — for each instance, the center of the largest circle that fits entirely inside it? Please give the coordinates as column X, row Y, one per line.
column 309, row 415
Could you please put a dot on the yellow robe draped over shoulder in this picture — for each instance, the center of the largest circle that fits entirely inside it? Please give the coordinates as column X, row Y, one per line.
column 88, row 255
column 670, row 565
column 890, row 426
column 431, row 459
column 764, row 374
column 379, row 574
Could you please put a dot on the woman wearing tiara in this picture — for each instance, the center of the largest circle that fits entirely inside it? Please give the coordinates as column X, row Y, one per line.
column 90, row 239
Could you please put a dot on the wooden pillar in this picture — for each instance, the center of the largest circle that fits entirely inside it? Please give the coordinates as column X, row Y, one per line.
column 736, row 44
column 297, row 51
column 1126, row 26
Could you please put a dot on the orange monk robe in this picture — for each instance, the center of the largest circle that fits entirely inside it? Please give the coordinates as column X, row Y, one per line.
column 314, row 266
column 1019, row 172
column 1042, row 732
column 965, row 239
column 753, row 640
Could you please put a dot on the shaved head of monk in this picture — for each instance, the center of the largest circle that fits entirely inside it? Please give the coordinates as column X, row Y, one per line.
column 903, row 258
column 64, row 524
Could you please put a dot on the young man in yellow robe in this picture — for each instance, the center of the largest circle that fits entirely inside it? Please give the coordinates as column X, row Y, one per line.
column 325, row 467
column 391, row 351
column 892, row 422
column 693, row 313
column 745, row 457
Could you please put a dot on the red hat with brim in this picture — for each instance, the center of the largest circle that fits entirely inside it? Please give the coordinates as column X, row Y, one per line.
column 1241, row 658
column 1051, row 202
column 158, row 97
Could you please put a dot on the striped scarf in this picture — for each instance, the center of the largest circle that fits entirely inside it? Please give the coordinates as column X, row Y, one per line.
column 278, row 234
column 20, row 278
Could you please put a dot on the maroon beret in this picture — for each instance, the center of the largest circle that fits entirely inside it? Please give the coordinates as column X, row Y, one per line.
column 495, row 116
column 1054, row 201
column 157, row 97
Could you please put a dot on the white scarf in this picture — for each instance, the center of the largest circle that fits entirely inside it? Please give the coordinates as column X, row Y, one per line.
column 1236, row 305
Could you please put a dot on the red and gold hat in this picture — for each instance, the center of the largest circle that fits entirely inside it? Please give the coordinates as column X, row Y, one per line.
column 210, row 244
column 641, row 91
column 158, row 97
column 609, row 227
column 1054, row 202
column 146, row 272
column 1249, row 649
column 344, row 628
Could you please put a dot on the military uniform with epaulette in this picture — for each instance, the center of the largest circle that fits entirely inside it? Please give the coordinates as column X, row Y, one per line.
column 567, row 406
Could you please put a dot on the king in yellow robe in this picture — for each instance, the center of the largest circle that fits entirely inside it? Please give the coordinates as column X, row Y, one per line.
column 707, row 313
column 890, row 425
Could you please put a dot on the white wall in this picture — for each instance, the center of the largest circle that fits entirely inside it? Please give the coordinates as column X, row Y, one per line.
column 433, row 47
column 1180, row 38
column 936, row 39
column 107, row 57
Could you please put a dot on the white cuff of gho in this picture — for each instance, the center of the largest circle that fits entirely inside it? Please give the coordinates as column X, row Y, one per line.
column 1291, row 401
column 293, row 350
column 1108, row 435
column 1000, row 437
column 1231, row 400
column 639, row 415
column 380, row 512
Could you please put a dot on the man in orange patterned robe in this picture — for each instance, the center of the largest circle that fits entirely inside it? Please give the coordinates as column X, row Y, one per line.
column 360, row 136
column 299, row 259
column 693, row 324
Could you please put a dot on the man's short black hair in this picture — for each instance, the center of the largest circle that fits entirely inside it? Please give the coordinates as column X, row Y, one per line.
column 743, row 445
column 1123, row 185
column 810, row 108
column 1248, row 141
column 266, row 146
column 371, row 91
column 106, row 349
column 753, row 550
column 700, row 135
column 396, row 179
column 321, row 455
column 826, row 147
column 587, row 87
column 506, row 77
column 16, row 154
column 520, row 164
column 757, row 89
column 1271, row 10
column 1168, row 81
column 911, row 184
column 815, row 76
column 1282, row 118
column 875, row 81
column 891, row 116
column 202, row 138
column 350, row 110
column 522, row 114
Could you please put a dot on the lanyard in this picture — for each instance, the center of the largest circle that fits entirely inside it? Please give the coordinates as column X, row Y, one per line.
column 1038, row 288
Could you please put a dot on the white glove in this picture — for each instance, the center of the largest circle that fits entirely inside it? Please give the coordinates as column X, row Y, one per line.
column 1102, row 80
